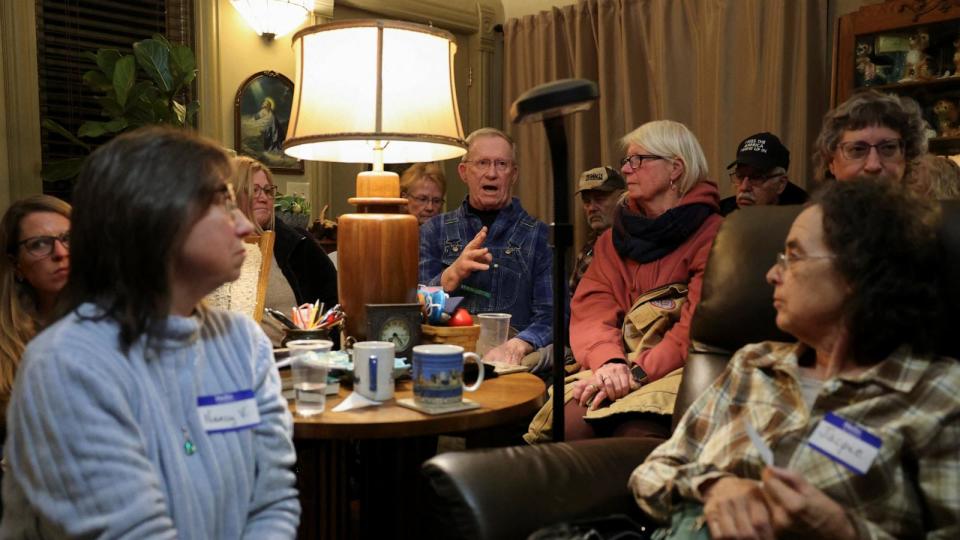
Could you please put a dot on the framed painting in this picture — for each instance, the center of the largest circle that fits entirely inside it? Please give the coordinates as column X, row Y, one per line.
column 261, row 116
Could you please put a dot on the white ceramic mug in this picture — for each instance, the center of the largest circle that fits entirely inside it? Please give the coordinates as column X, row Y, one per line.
column 373, row 369
column 438, row 374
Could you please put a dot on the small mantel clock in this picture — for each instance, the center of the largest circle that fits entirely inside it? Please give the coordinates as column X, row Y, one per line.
column 399, row 323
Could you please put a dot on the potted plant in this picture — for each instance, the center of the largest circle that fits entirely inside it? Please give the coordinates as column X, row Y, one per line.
column 293, row 209
column 146, row 87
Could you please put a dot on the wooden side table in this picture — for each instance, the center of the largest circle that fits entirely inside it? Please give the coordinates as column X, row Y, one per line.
column 392, row 443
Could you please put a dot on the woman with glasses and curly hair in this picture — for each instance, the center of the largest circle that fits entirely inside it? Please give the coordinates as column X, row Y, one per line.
column 140, row 413
column 36, row 235
column 850, row 432
column 870, row 135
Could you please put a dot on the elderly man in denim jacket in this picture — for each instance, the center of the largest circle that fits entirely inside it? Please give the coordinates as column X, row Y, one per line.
column 490, row 251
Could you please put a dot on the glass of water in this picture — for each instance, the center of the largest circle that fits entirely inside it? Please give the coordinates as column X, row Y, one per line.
column 308, row 364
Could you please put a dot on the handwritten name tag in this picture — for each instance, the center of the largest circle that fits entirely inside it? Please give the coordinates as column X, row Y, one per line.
column 232, row 411
column 845, row 442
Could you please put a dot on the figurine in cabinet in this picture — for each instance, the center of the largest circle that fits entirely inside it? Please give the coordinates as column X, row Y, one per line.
column 956, row 57
column 917, row 61
column 866, row 67
column 947, row 118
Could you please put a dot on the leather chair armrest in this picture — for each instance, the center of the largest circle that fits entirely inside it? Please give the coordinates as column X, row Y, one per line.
column 511, row 492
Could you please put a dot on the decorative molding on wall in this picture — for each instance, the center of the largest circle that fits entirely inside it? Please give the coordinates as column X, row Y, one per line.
column 454, row 15
column 207, row 22
column 20, row 158
column 483, row 111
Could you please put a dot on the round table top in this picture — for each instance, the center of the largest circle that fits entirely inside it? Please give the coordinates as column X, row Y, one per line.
column 502, row 399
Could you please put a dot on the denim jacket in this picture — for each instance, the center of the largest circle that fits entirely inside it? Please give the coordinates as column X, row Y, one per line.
column 519, row 279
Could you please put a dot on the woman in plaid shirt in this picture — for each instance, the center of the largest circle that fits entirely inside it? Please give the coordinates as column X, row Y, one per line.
column 857, row 285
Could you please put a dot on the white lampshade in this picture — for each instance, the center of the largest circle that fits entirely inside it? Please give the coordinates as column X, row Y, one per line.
column 374, row 87
column 273, row 18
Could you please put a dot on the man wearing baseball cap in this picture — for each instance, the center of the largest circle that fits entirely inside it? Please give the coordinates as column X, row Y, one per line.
column 759, row 174
column 599, row 191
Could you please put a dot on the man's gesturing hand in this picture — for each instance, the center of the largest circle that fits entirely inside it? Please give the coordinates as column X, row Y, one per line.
column 473, row 258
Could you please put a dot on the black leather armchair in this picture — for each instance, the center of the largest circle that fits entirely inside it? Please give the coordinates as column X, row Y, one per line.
column 511, row 492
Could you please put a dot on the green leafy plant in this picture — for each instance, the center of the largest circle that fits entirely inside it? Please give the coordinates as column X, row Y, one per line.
column 134, row 90
column 292, row 204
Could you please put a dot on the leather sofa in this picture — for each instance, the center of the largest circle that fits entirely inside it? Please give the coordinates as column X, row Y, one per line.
column 511, row 492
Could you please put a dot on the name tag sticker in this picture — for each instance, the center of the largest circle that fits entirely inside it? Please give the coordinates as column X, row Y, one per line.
column 846, row 443
column 232, row 411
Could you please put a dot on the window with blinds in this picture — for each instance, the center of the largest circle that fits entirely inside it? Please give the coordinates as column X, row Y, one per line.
column 67, row 28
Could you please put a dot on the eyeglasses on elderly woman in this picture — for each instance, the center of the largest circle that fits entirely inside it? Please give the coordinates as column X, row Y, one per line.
column 636, row 160
column 42, row 246
column 859, row 150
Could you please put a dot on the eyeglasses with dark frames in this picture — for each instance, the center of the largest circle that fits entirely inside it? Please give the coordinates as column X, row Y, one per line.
column 42, row 246
column 225, row 197
column 636, row 160
column 859, row 150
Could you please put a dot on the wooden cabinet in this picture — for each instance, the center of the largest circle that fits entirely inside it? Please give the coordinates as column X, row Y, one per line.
column 907, row 47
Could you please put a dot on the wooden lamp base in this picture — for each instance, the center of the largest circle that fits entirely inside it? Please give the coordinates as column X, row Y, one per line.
column 378, row 251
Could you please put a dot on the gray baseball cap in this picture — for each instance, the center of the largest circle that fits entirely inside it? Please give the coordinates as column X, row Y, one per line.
column 601, row 179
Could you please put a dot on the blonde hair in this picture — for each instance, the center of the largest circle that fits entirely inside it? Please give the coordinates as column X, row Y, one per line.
column 672, row 140
column 246, row 168
column 18, row 302
column 422, row 171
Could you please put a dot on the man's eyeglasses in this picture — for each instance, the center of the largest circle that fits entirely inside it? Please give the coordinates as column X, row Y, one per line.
column 42, row 246
column 225, row 197
column 423, row 199
column 784, row 260
column 755, row 180
column 636, row 160
column 859, row 150
column 501, row 165
column 269, row 191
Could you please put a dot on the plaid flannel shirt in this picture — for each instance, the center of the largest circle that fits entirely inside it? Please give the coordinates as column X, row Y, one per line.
column 912, row 488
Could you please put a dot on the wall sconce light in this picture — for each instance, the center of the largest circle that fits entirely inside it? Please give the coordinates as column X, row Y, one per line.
column 375, row 91
column 273, row 18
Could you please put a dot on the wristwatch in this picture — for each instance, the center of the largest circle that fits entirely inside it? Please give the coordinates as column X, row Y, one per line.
column 638, row 374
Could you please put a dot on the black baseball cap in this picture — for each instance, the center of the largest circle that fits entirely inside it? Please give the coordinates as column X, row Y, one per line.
column 762, row 151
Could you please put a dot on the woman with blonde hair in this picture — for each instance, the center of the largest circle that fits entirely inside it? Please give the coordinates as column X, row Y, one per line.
column 36, row 235
column 424, row 185
column 630, row 316
column 300, row 271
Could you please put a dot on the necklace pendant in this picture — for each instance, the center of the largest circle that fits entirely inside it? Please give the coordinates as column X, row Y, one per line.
column 189, row 447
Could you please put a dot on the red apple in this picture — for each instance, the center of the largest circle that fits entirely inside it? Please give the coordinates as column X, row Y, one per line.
column 461, row 317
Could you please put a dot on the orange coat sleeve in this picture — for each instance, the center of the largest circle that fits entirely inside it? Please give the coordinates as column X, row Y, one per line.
column 604, row 296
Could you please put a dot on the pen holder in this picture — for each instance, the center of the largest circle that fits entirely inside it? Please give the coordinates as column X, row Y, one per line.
column 291, row 334
column 463, row 336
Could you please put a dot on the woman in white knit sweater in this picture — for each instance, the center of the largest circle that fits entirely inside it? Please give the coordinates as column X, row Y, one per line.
column 140, row 413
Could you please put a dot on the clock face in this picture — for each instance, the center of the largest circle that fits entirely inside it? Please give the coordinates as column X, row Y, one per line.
column 397, row 323
column 397, row 330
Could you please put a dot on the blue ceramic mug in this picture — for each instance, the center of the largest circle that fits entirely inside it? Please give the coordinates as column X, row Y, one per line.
column 438, row 374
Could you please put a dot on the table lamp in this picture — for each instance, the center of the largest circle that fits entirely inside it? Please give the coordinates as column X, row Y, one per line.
column 375, row 91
